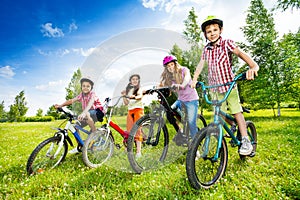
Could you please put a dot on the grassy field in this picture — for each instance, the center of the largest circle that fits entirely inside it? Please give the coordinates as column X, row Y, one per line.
column 274, row 172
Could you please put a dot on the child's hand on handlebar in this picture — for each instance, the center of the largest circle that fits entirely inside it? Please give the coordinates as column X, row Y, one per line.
column 176, row 86
column 193, row 84
column 251, row 73
column 57, row 106
column 82, row 116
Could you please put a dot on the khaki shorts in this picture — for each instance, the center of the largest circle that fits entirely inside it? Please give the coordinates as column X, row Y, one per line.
column 232, row 102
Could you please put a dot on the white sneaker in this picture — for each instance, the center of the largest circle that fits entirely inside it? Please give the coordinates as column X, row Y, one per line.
column 246, row 147
column 138, row 155
column 73, row 151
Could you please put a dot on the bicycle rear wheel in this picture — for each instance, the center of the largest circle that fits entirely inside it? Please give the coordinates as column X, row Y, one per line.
column 201, row 167
column 47, row 155
column 97, row 148
column 154, row 146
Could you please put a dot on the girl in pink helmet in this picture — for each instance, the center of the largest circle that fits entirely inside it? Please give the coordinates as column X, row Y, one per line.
column 177, row 76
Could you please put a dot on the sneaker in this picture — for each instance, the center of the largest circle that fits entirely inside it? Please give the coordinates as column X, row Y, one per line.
column 73, row 151
column 138, row 155
column 246, row 147
column 180, row 139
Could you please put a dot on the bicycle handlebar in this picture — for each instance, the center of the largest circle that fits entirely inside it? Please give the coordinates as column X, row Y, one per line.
column 161, row 90
column 239, row 77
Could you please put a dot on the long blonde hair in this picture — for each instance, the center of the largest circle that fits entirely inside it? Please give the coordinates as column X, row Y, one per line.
column 168, row 78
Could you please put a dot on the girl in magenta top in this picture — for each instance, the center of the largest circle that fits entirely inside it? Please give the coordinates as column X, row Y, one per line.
column 179, row 77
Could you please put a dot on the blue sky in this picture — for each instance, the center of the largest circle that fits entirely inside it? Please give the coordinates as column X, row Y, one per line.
column 44, row 42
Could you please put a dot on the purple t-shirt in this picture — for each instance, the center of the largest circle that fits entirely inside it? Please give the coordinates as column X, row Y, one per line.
column 188, row 93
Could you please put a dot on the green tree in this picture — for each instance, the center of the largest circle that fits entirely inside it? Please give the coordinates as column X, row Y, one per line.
column 190, row 58
column 74, row 89
column 261, row 36
column 192, row 30
column 18, row 109
column 3, row 114
column 192, row 33
column 285, row 4
column 290, row 64
column 39, row 112
column 53, row 112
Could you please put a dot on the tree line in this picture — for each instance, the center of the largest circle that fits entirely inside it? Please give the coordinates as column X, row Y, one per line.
column 278, row 82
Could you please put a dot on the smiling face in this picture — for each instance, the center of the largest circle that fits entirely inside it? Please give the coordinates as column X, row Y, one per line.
column 171, row 67
column 135, row 81
column 86, row 87
column 213, row 32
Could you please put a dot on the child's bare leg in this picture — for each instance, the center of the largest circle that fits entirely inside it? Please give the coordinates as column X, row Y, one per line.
column 90, row 122
column 241, row 123
column 138, row 146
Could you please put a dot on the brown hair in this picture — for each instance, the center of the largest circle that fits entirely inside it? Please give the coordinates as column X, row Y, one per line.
column 129, row 86
column 168, row 78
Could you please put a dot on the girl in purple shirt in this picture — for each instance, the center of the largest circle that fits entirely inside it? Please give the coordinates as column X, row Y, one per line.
column 179, row 77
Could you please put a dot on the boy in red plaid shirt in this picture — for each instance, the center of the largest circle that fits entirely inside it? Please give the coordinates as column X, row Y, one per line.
column 218, row 55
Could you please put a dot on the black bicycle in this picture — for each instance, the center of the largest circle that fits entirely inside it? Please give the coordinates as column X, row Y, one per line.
column 155, row 132
column 207, row 156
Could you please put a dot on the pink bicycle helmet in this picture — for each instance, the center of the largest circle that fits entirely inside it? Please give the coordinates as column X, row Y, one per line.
column 169, row 59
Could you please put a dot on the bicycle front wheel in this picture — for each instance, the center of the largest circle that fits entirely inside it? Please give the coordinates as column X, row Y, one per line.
column 203, row 168
column 97, row 148
column 47, row 155
column 154, row 147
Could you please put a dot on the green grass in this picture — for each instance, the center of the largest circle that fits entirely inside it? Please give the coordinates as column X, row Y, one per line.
column 273, row 173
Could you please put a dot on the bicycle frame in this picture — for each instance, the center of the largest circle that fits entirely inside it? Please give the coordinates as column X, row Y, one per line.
column 111, row 123
column 162, row 92
column 218, row 119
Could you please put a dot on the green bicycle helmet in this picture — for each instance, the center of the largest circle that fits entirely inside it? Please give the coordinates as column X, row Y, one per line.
column 211, row 19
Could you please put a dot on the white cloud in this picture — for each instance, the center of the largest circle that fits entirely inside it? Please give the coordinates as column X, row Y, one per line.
column 6, row 72
column 84, row 52
column 177, row 10
column 152, row 4
column 72, row 27
column 52, row 85
column 49, row 31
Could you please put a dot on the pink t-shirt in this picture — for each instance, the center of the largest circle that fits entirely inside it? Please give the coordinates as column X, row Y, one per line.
column 84, row 99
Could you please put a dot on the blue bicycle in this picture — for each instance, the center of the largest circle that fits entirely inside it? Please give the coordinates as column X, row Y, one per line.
column 207, row 156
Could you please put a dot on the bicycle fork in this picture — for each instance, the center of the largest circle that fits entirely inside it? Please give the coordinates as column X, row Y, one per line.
column 207, row 143
column 151, row 132
column 60, row 145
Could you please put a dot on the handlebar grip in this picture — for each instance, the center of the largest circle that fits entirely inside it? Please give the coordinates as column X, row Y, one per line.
column 244, row 76
column 60, row 109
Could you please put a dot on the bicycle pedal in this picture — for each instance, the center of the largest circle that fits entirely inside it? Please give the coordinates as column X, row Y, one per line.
column 118, row 146
column 232, row 143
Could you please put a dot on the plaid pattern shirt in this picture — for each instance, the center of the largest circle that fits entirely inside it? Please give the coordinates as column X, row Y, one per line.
column 219, row 60
column 84, row 99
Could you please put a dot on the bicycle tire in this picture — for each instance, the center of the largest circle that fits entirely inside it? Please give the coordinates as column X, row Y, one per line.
column 252, row 134
column 202, row 171
column 153, row 155
column 42, row 158
column 201, row 122
column 98, row 148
